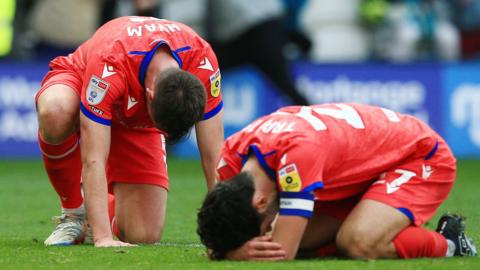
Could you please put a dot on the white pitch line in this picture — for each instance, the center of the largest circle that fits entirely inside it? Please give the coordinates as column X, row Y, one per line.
column 181, row 245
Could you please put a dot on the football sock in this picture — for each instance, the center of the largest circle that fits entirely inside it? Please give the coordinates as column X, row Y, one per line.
column 111, row 214
column 64, row 167
column 79, row 211
column 417, row 242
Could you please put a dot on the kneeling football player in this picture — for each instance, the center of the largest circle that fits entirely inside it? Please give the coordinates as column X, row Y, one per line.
column 348, row 179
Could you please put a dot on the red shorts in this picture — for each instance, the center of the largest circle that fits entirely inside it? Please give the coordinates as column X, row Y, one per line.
column 417, row 187
column 137, row 156
column 65, row 77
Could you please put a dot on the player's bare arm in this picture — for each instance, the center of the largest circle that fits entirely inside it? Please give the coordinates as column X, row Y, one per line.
column 95, row 147
column 210, row 138
column 288, row 233
column 268, row 247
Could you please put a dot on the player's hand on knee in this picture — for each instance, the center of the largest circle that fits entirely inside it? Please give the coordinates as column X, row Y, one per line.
column 258, row 249
column 109, row 242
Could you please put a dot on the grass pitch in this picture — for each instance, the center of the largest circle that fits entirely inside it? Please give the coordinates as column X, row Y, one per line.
column 27, row 201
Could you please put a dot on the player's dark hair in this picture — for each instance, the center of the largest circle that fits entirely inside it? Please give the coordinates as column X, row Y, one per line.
column 178, row 103
column 227, row 218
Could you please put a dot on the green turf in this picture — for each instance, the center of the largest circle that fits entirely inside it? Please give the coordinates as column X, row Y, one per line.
column 27, row 202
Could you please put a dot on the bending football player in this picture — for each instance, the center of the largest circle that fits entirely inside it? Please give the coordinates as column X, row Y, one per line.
column 135, row 82
column 348, row 179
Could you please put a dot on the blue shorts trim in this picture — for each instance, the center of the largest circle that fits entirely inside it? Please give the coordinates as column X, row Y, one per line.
column 407, row 213
column 432, row 152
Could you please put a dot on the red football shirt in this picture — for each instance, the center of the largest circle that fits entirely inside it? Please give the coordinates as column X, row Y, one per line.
column 113, row 63
column 326, row 152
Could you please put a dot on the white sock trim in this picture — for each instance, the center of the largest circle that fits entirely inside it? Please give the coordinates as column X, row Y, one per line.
column 79, row 211
column 450, row 248
column 69, row 151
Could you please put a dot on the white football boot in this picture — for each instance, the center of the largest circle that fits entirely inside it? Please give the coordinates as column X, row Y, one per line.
column 70, row 230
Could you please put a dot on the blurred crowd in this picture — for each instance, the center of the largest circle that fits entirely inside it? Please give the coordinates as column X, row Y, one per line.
column 266, row 34
column 318, row 30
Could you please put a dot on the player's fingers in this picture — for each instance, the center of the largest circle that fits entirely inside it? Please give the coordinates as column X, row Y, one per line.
column 128, row 245
column 264, row 254
column 263, row 238
column 257, row 245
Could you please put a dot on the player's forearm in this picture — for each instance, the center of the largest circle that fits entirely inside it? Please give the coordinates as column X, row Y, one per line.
column 96, row 197
column 288, row 232
column 208, row 166
column 210, row 138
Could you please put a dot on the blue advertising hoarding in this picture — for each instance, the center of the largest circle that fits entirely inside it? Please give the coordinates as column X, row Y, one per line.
column 413, row 89
column 461, row 108
column 445, row 96
column 19, row 83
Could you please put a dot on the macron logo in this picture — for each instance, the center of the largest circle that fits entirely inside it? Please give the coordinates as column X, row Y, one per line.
column 131, row 102
column 221, row 164
column 205, row 64
column 107, row 71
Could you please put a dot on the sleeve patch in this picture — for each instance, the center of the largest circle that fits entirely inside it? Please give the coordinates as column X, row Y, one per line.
column 289, row 178
column 96, row 90
column 215, row 83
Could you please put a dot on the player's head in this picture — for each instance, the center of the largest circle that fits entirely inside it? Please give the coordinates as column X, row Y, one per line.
column 229, row 216
column 178, row 103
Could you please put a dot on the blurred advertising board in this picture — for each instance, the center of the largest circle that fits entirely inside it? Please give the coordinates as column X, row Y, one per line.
column 445, row 96
column 413, row 89
column 461, row 108
column 19, row 82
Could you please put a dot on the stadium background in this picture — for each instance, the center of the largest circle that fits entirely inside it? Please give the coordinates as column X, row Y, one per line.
column 443, row 92
column 346, row 62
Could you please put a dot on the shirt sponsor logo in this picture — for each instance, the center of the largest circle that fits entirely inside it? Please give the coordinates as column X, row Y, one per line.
column 289, row 178
column 215, row 84
column 96, row 90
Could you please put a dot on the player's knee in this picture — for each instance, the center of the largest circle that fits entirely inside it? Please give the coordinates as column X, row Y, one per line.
column 142, row 235
column 357, row 244
column 143, row 238
column 56, row 122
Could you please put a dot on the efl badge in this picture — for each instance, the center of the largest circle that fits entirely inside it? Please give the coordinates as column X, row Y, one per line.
column 96, row 90
column 215, row 84
column 289, row 178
